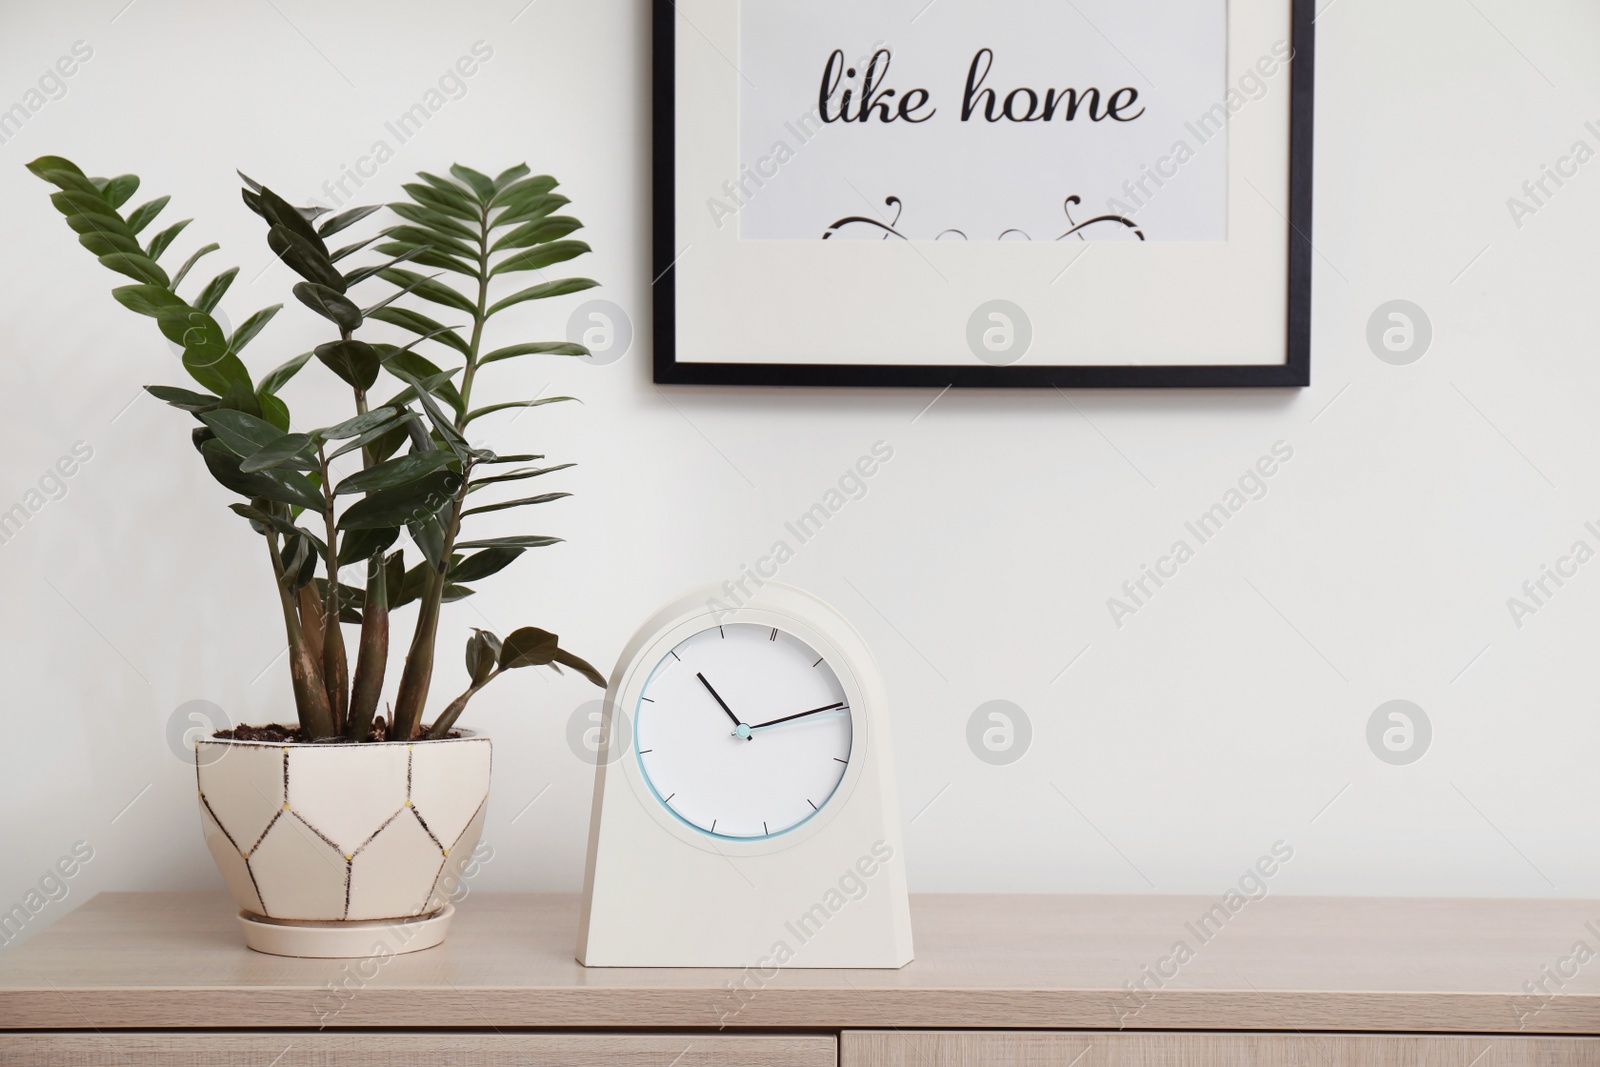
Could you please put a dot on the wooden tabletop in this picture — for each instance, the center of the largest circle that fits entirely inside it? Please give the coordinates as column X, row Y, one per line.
column 176, row 960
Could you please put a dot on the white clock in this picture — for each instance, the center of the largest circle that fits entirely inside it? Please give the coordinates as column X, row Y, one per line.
column 744, row 811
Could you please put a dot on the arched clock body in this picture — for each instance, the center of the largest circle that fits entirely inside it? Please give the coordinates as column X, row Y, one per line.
column 744, row 811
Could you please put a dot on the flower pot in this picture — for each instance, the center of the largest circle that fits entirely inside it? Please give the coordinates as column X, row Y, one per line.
column 343, row 850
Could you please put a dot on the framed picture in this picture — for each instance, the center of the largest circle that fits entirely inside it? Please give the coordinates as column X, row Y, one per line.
column 1105, row 193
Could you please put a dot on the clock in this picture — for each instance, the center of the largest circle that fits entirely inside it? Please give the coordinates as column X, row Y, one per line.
column 744, row 808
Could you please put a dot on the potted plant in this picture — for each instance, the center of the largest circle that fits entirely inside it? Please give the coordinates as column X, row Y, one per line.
column 351, row 818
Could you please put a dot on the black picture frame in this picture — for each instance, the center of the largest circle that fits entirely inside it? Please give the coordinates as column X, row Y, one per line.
column 1294, row 372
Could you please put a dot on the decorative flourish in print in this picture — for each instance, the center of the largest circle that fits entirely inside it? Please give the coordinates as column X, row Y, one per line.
column 852, row 223
column 867, row 220
column 1077, row 228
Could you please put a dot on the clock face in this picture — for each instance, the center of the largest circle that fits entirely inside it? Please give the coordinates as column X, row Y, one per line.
column 743, row 731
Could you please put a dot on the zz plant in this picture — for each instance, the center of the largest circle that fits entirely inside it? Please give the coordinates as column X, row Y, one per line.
column 338, row 497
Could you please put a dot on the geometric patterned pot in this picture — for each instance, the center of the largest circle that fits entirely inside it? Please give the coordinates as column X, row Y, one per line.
column 341, row 832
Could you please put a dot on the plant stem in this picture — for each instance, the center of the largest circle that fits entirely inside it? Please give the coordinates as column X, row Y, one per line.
column 310, row 696
column 335, row 667
column 372, row 657
column 447, row 719
column 417, row 678
column 372, row 660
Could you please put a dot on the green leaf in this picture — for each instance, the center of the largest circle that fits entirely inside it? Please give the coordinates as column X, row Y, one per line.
column 419, row 367
column 385, row 439
column 356, row 277
column 538, row 232
column 519, row 475
column 408, row 504
column 352, row 249
column 421, row 324
column 184, row 399
column 489, row 562
column 551, row 348
column 543, row 256
column 290, row 450
column 147, row 299
column 247, row 332
column 444, row 196
column 397, row 472
column 285, row 487
column 212, row 294
column 188, row 264
column 430, row 239
column 277, row 211
column 528, row 647
column 103, row 244
column 42, row 167
column 145, row 214
column 70, row 182
column 331, row 305
column 473, row 416
column 283, row 526
column 525, row 189
column 481, row 184
column 430, row 219
column 440, row 421
column 428, row 536
column 345, row 219
column 424, row 256
column 510, row 542
column 244, row 435
column 226, row 377
column 509, row 175
column 453, row 593
column 358, row 545
column 119, row 189
column 161, row 241
column 544, row 291
column 429, row 289
column 411, row 585
column 103, row 224
column 483, row 655
column 306, row 259
column 529, row 209
column 197, row 332
column 354, row 361
column 279, row 376
column 72, row 202
column 363, row 423
column 137, row 266
column 567, row 659
column 509, row 504
column 273, row 410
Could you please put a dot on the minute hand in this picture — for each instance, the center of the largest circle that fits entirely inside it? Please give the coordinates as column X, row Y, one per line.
column 803, row 714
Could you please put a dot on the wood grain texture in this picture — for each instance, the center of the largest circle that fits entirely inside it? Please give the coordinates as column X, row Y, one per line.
column 157, row 961
column 977, row 1049
column 411, row 1050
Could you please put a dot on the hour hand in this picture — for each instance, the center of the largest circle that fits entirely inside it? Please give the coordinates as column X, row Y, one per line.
column 721, row 703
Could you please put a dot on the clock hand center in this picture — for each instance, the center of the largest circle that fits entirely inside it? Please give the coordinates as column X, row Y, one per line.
column 739, row 728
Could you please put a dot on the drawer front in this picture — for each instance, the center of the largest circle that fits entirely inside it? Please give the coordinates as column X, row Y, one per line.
column 389, row 1049
column 872, row 1048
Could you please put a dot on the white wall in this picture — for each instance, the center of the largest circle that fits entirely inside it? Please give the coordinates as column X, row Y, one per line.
column 1224, row 716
